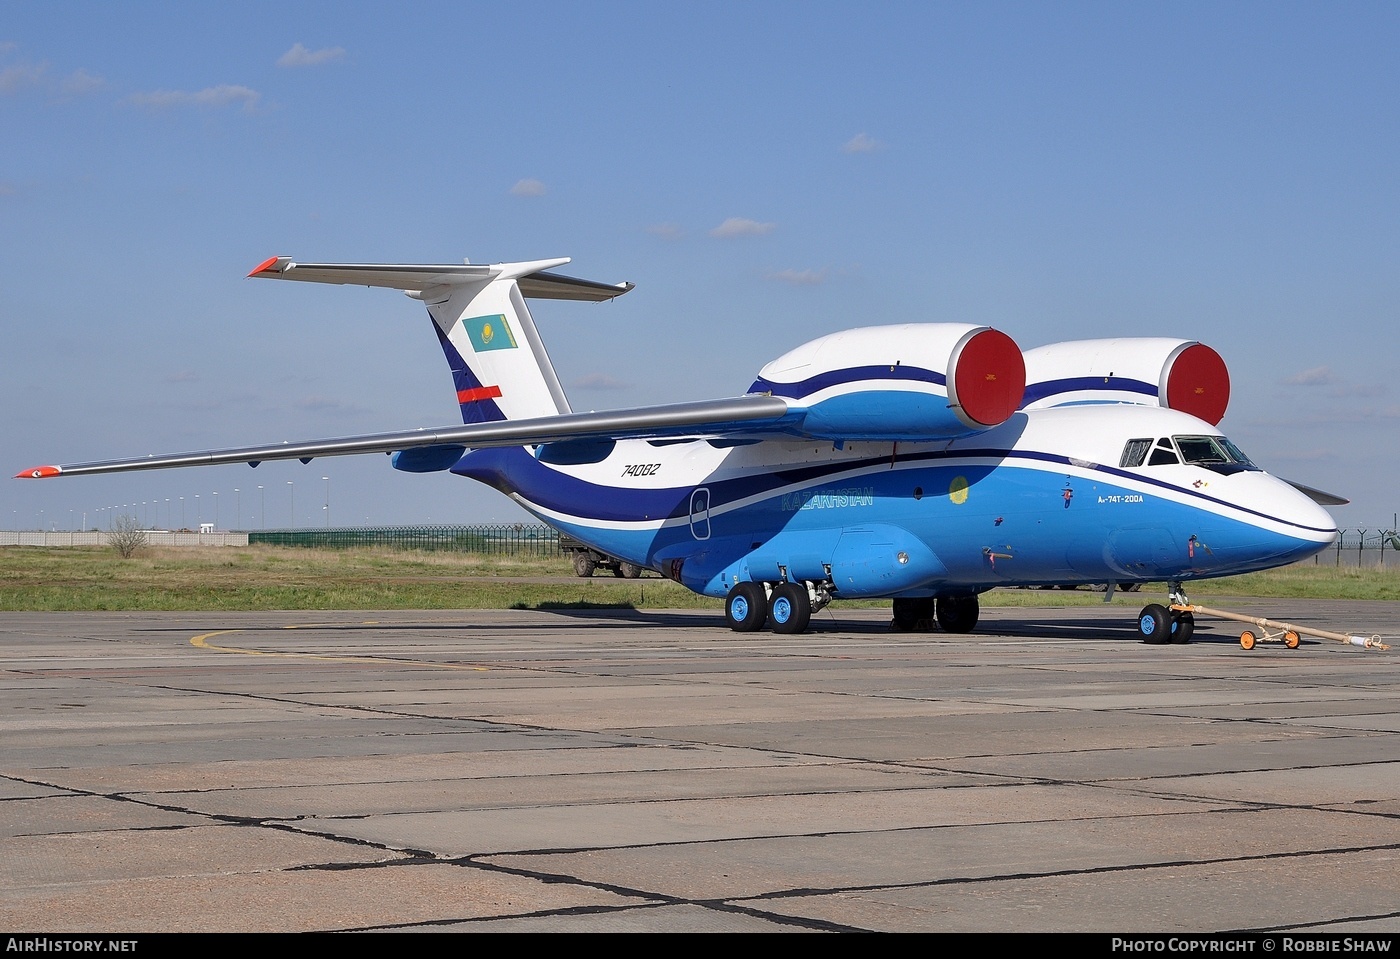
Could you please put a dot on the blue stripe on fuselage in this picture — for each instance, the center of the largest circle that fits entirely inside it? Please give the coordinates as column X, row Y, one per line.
column 513, row 470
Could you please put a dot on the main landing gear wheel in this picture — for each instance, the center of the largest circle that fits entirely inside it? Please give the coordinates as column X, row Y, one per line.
column 913, row 614
column 790, row 609
column 1154, row 624
column 746, row 607
column 1183, row 625
column 958, row 614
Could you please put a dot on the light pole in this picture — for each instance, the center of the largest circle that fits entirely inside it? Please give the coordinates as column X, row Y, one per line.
column 237, row 508
column 216, row 511
column 167, row 513
column 262, row 523
column 292, row 501
column 182, row 512
column 198, row 513
column 327, row 507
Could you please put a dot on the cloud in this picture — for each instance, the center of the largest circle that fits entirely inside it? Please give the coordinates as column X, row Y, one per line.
column 738, row 226
column 600, row 381
column 299, row 56
column 21, row 75
column 80, row 82
column 7, row 47
column 528, row 187
column 222, row 95
column 1317, row 376
column 666, row 231
column 799, row 277
column 861, row 143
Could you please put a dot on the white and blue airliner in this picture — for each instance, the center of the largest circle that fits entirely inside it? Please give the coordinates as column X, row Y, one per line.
column 926, row 463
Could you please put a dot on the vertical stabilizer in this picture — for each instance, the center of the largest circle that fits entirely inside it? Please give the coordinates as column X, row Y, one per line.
column 500, row 368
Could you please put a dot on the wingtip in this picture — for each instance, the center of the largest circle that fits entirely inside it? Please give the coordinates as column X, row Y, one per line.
column 39, row 472
column 265, row 266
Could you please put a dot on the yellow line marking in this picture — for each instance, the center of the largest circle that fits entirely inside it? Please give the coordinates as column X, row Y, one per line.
column 202, row 642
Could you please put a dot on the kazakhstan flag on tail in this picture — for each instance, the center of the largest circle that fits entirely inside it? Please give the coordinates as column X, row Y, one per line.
column 489, row 333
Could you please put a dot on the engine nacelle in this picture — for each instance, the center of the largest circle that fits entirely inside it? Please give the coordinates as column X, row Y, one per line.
column 1179, row 374
column 916, row 381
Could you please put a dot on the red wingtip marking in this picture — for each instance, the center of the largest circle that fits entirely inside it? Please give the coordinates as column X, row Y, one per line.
column 264, row 265
column 38, row 472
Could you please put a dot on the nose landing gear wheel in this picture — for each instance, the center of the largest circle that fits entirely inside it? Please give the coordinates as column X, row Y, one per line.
column 790, row 609
column 1154, row 625
column 1183, row 625
column 746, row 607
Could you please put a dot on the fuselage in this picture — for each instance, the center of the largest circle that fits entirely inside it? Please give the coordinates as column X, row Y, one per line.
column 1050, row 496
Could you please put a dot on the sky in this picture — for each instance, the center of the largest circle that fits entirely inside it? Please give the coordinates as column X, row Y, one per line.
column 765, row 172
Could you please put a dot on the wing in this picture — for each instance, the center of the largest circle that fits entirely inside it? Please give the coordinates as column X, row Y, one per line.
column 740, row 416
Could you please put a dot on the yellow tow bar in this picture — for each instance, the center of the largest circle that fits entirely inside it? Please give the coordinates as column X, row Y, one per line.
column 1273, row 631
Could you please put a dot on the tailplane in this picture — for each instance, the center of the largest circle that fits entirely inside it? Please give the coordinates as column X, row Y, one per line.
column 500, row 368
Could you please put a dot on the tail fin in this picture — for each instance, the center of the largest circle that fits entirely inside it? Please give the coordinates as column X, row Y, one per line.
column 500, row 368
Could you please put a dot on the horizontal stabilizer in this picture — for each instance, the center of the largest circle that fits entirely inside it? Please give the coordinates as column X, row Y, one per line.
column 531, row 277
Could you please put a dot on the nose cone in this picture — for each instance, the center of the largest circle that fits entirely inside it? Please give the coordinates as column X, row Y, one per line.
column 1287, row 525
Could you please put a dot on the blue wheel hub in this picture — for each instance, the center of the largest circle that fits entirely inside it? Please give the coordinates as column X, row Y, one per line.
column 782, row 610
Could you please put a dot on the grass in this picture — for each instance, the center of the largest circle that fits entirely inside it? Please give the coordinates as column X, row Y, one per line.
column 271, row 577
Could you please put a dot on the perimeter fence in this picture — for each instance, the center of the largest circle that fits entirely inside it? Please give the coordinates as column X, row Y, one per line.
column 514, row 539
column 1364, row 549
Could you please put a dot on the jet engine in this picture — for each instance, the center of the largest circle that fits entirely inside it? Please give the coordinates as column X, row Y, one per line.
column 1179, row 374
column 916, row 381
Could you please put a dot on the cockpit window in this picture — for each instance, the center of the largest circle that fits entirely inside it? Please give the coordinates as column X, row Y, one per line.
column 1214, row 453
column 1135, row 452
column 1164, row 454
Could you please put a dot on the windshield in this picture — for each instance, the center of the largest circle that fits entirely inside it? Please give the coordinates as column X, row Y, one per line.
column 1213, row 452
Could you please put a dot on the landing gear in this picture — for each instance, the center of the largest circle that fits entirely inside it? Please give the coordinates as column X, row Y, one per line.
column 912, row 614
column 1159, row 625
column 746, row 607
column 789, row 608
column 1154, row 624
column 958, row 614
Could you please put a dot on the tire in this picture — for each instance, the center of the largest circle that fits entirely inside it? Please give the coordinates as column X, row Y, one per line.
column 629, row 570
column 957, row 614
column 1154, row 625
column 1183, row 625
column 789, row 608
column 746, row 607
column 913, row 614
column 584, row 565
